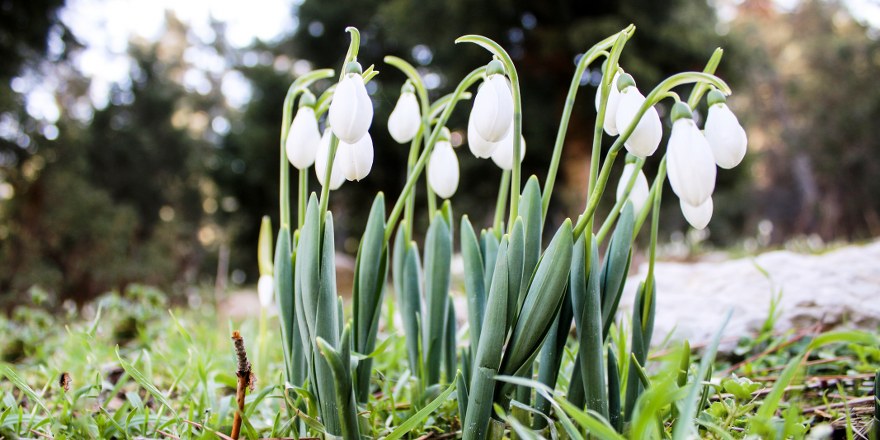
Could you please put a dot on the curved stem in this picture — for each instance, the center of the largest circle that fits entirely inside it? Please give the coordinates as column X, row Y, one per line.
column 411, row 199
column 465, row 83
column 498, row 225
column 499, row 52
column 588, row 58
column 618, row 204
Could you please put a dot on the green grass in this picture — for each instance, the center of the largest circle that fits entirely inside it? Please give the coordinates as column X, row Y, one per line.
column 139, row 370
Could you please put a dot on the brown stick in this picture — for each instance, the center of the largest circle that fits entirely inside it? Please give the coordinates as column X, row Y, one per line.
column 244, row 381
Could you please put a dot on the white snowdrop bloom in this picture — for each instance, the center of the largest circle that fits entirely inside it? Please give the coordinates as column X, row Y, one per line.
column 690, row 164
column 303, row 138
column 356, row 158
column 336, row 175
column 480, row 147
column 646, row 137
column 351, row 111
column 725, row 135
column 405, row 119
column 493, row 107
column 503, row 154
column 639, row 192
column 266, row 290
column 443, row 172
column 610, row 121
column 697, row 216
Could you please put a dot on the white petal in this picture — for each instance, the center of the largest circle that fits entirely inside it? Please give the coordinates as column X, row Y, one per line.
column 639, row 192
column 503, row 154
column 697, row 216
column 351, row 111
column 726, row 136
column 336, row 176
column 646, row 137
column 443, row 172
column 405, row 119
column 303, row 139
column 610, row 123
column 265, row 289
column 690, row 164
column 480, row 147
column 493, row 108
column 357, row 158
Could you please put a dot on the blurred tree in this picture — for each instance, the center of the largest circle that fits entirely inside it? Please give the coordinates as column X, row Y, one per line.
column 812, row 103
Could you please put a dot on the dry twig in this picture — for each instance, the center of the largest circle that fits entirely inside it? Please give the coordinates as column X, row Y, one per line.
column 244, row 381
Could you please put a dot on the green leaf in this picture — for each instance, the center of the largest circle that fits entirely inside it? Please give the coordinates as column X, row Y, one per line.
column 9, row 373
column 438, row 259
column 530, row 211
column 144, row 382
column 474, row 286
column 340, row 367
column 264, row 247
column 616, row 266
column 290, row 331
column 515, row 261
column 586, row 285
column 489, row 248
column 410, row 306
column 423, row 414
column 542, row 302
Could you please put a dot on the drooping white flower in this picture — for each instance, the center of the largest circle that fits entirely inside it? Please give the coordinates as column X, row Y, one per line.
column 405, row 119
column 493, row 106
column 303, row 138
column 610, row 121
column 480, row 147
column 639, row 192
column 266, row 290
column 646, row 136
column 697, row 216
column 503, row 154
column 357, row 158
column 351, row 111
column 336, row 175
column 443, row 172
column 725, row 135
column 690, row 164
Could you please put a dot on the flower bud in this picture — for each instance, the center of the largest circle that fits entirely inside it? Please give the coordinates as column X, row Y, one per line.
column 405, row 119
column 697, row 216
column 646, row 137
column 639, row 192
column 610, row 121
column 726, row 136
column 480, row 147
column 493, row 109
column 303, row 139
column 336, row 175
column 503, row 154
column 443, row 173
column 351, row 111
column 691, row 167
column 356, row 159
column 265, row 290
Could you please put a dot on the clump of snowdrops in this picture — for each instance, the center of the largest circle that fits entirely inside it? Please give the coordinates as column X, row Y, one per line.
column 522, row 296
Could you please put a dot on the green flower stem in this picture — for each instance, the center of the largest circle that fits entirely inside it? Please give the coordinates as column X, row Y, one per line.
column 498, row 225
column 303, row 197
column 351, row 55
column 499, row 52
column 432, row 200
column 598, row 50
column 618, row 205
column 411, row 199
column 299, row 85
column 465, row 83
column 652, row 99
column 649, row 204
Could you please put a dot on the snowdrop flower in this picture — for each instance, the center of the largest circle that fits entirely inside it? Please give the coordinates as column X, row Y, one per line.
column 639, row 192
column 503, row 154
column 480, row 147
column 646, row 136
column 304, row 136
column 351, row 111
column 405, row 119
column 443, row 170
column 691, row 166
column 697, row 216
column 493, row 106
column 610, row 121
column 726, row 137
column 266, row 290
column 336, row 175
column 356, row 159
